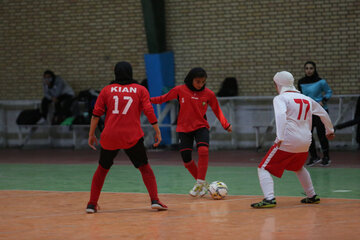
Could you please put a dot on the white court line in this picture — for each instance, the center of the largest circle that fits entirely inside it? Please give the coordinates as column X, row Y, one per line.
column 54, row 191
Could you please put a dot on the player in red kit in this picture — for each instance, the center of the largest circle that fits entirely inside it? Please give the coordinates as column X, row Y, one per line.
column 192, row 124
column 122, row 101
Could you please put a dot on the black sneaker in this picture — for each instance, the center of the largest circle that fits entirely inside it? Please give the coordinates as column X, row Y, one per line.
column 325, row 161
column 313, row 200
column 265, row 203
column 91, row 208
column 313, row 161
column 156, row 204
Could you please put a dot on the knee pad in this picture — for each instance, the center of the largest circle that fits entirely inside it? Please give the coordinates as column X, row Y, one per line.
column 106, row 164
column 186, row 156
column 203, row 150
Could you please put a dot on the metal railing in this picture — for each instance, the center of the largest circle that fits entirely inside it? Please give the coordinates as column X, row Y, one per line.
column 251, row 116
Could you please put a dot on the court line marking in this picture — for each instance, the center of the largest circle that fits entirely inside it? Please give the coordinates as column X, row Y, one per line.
column 54, row 191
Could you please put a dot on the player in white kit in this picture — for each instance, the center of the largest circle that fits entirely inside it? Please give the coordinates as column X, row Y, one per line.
column 293, row 116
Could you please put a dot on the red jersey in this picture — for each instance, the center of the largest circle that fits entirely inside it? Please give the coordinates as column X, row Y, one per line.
column 123, row 105
column 193, row 107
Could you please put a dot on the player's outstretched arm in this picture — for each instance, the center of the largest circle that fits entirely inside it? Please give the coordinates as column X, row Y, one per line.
column 172, row 94
column 92, row 138
column 157, row 134
column 324, row 117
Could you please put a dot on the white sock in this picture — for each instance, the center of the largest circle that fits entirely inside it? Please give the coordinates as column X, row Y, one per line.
column 266, row 183
column 200, row 181
column 305, row 180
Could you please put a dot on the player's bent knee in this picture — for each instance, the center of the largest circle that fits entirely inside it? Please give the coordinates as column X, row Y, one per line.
column 186, row 156
column 106, row 164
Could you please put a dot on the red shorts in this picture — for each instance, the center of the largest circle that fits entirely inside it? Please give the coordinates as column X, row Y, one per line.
column 277, row 161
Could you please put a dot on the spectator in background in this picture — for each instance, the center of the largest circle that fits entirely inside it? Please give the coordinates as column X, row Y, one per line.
column 317, row 88
column 56, row 91
column 356, row 120
column 229, row 88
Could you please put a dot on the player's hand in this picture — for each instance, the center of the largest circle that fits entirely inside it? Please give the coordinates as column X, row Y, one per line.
column 157, row 139
column 229, row 129
column 330, row 136
column 92, row 141
column 278, row 142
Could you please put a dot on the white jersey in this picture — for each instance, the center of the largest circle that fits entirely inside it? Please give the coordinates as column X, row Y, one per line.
column 293, row 116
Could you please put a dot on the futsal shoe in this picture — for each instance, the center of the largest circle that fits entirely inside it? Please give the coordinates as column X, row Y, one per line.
column 195, row 191
column 325, row 161
column 204, row 189
column 156, row 204
column 313, row 161
column 265, row 203
column 91, row 208
column 313, row 200
column 42, row 121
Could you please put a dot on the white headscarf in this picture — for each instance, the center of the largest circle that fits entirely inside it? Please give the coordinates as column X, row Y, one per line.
column 284, row 81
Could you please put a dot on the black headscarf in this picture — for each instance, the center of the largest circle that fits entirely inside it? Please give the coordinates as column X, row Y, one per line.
column 123, row 74
column 314, row 78
column 53, row 77
column 195, row 73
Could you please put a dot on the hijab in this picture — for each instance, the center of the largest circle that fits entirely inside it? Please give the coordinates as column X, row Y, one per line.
column 197, row 72
column 123, row 74
column 313, row 78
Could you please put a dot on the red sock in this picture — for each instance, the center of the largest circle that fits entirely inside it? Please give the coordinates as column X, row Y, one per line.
column 203, row 153
column 97, row 184
column 149, row 181
column 192, row 168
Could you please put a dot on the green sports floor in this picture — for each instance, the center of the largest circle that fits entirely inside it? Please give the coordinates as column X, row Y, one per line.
column 328, row 182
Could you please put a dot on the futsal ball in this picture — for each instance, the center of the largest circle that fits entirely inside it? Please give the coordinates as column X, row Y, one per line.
column 218, row 190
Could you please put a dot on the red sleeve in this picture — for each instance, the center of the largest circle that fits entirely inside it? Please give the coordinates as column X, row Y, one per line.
column 147, row 107
column 172, row 94
column 99, row 108
column 214, row 104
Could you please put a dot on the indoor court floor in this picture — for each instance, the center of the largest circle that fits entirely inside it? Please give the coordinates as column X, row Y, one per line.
column 43, row 195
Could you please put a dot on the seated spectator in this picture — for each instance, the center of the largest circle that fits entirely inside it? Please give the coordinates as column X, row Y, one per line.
column 229, row 87
column 56, row 91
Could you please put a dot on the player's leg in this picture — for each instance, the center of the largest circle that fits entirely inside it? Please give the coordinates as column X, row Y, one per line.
column 202, row 143
column 272, row 163
column 305, row 180
column 267, row 187
column 105, row 163
column 138, row 157
column 186, row 145
column 296, row 164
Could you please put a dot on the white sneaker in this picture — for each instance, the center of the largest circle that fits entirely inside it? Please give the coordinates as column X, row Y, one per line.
column 204, row 189
column 195, row 191
column 200, row 189
column 41, row 121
